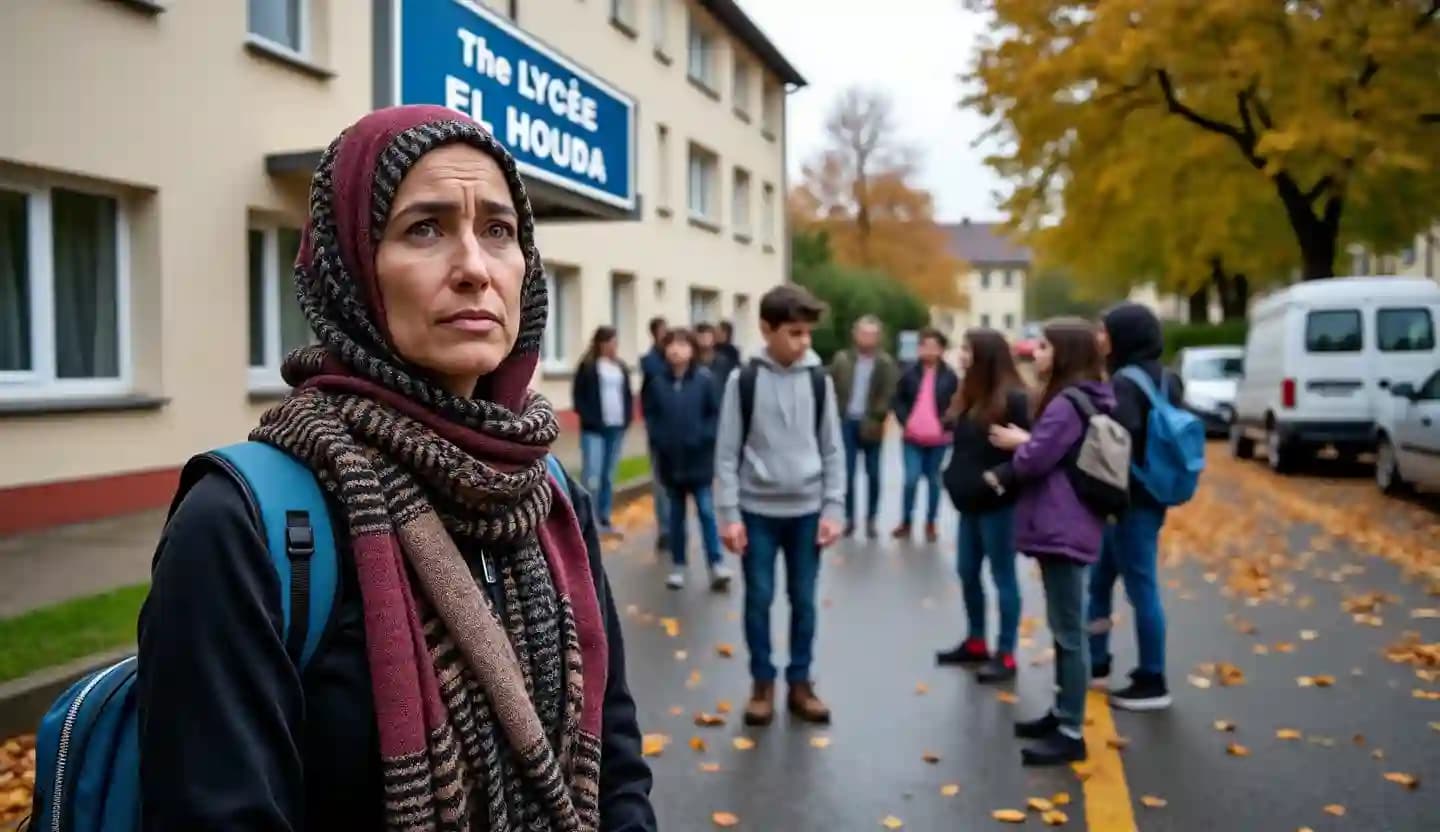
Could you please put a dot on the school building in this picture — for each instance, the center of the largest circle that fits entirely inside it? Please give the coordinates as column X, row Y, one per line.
column 996, row 269
column 155, row 158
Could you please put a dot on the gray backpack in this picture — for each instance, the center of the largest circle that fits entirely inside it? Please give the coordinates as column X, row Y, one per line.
column 1099, row 466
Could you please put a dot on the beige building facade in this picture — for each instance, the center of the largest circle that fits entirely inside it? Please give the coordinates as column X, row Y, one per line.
column 154, row 168
column 996, row 272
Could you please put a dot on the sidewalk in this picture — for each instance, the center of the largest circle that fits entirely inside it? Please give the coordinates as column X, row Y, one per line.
column 42, row 568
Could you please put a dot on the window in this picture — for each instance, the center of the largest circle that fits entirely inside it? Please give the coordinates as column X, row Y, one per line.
column 985, row 280
column 660, row 25
column 740, row 204
column 277, row 326
column 741, row 321
column 1430, row 390
column 1009, row 319
column 662, row 173
column 282, row 22
column 622, row 14
column 1009, row 283
column 563, row 317
column 985, row 320
column 1405, row 330
column 64, row 312
column 659, row 291
column 767, row 215
column 704, row 199
column 701, row 61
column 1333, row 331
column 741, row 85
column 704, row 306
column 622, row 310
column 770, row 109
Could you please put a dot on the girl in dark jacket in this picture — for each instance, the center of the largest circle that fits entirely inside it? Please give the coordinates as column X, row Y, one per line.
column 991, row 394
column 1053, row 526
column 682, row 412
column 602, row 400
column 472, row 675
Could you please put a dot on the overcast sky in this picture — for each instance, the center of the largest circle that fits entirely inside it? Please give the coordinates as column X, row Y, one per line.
column 914, row 55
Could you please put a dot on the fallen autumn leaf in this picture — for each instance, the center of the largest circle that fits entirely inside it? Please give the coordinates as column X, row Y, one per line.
column 1287, row 734
column 1039, row 804
column 930, row 757
column 892, row 822
column 1153, row 802
column 950, row 789
column 1401, row 778
column 1008, row 815
column 725, row 819
column 1055, row 817
column 698, row 744
column 653, row 745
column 1235, row 749
column 743, row 743
column 1335, row 809
column 819, row 742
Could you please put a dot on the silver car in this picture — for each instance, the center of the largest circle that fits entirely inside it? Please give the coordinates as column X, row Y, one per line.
column 1210, row 375
column 1407, row 450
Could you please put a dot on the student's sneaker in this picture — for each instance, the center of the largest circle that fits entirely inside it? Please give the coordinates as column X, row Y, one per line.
column 999, row 669
column 720, row 577
column 1034, row 729
column 1146, row 692
column 1056, row 749
column 969, row 651
column 1100, row 676
column 676, row 580
column 901, row 532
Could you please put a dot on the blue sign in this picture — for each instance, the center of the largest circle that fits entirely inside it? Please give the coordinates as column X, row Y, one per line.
column 563, row 124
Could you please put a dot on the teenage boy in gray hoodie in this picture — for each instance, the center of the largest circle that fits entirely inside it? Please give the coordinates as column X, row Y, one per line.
column 781, row 488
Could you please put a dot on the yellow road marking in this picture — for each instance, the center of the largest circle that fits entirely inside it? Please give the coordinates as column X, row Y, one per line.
column 1107, row 797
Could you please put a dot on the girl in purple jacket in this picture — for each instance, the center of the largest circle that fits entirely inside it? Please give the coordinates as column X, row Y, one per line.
column 1053, row 526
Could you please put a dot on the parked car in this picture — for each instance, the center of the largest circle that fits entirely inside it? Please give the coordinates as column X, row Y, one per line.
column 1407, row 438
column 1024, row 347
column 1320, row 357
column 1210, row 375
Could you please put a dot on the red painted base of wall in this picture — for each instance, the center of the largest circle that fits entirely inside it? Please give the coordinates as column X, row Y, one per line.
column 27, row 508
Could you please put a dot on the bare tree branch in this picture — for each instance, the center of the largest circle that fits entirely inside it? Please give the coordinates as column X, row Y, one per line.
column 1176, row 106
column 1319, row 188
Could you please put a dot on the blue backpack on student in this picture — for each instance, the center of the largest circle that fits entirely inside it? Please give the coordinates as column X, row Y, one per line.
column 1174, row 446
column 87, row 754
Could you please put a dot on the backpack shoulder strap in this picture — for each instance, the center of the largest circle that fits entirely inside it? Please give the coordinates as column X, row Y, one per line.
column 1081, row 402
column 298, row 534
column 557, row 470
column 746, row 386
column 1142, row 380
column 817, row 385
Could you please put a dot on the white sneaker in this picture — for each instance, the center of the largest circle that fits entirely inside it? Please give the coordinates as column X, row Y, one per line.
column 720, row 577
column 676, row 579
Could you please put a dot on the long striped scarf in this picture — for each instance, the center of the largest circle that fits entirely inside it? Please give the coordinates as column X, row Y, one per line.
column 485, row 722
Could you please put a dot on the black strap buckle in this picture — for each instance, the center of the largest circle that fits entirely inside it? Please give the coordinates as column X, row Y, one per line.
column 299, row 535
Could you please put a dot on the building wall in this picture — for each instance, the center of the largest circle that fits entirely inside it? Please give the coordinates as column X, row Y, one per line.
column 993, row 302
column 173, row 114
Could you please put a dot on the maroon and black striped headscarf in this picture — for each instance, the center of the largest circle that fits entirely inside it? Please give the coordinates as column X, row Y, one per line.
column 485, row 722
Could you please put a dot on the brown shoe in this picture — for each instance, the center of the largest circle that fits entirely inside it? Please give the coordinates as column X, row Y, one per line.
column 760, row 710
column 901, row 532
column 804, row 704
column 931, row 533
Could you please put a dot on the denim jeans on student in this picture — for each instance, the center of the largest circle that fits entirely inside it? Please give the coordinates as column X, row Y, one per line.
column 855, row 446
column 1130, row 551
column 661, row 496
column 990, row 535
column 600, row 455
column 768, row 537
column 704, row 512
column 921, row 461
column 1064, row 581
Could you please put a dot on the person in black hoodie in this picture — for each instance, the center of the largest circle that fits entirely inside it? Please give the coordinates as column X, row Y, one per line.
column 991, row 394
column 1131, row 547
column 682, row 413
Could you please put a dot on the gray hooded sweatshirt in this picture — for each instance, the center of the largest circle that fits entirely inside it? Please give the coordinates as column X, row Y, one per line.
column 783, row 471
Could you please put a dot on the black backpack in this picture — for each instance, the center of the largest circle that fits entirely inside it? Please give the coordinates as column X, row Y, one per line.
column 750, row 372
column 1099, row 464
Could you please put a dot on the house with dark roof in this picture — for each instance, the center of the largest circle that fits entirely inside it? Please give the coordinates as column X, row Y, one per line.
column 995, row 271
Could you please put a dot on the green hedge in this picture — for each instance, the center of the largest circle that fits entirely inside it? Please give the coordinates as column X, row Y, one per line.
column 851, row 293
column 1180, row 336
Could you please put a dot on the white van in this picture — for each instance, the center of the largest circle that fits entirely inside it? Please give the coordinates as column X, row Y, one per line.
column 1320, row 355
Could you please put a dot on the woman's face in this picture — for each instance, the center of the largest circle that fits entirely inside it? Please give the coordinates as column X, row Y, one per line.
column 1044, row 357
column 450, row 268
column 967, row 358
column 679, row 353
column 609, row 349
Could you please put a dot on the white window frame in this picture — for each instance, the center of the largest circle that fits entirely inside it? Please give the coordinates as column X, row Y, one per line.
column 698, row 31
column 740, row 199
column 554, row 345
column 662, row 174
column 706, row 302
column 767, row 211
column 660, row 26
column 40, row 380
column 623, row 12
column 709, row 162
column 302, row 34
column 769, row 115
column 740, row 83
column 265, row 378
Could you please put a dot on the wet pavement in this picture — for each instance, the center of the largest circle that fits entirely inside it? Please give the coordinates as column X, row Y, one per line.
column 1267, row 581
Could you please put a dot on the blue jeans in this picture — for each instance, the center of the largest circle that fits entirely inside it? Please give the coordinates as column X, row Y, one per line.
column 990, row 535
column 854, row 446
column 705, row 513
column 661, row 496
column 1130, row 550
column 600, row 454
column 1064, row 581
column 768, row 536
column 922, row 461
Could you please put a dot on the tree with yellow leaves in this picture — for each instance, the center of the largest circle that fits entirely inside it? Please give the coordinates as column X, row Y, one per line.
column 1211, row 118
column 858, row 192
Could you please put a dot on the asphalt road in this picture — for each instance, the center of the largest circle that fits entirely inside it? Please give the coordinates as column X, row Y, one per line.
column 1252, row 565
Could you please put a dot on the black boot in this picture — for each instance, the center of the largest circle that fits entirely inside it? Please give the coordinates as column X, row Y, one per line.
column 1037, row 728
column 999, row 669
column 969, row 651
column 1054, row 750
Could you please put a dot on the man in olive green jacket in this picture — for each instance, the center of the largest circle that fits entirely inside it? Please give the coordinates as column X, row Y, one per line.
column 865, row 377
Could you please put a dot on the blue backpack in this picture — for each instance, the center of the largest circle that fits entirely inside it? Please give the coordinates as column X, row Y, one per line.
column 87, row 754
column 1174, row 446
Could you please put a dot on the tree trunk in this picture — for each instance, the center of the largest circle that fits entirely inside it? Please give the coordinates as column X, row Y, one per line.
column 1200, row 305
column 1317, row 236
column 1233, row 291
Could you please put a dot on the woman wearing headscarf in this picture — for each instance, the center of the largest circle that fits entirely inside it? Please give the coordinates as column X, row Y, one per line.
column 472, row 675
